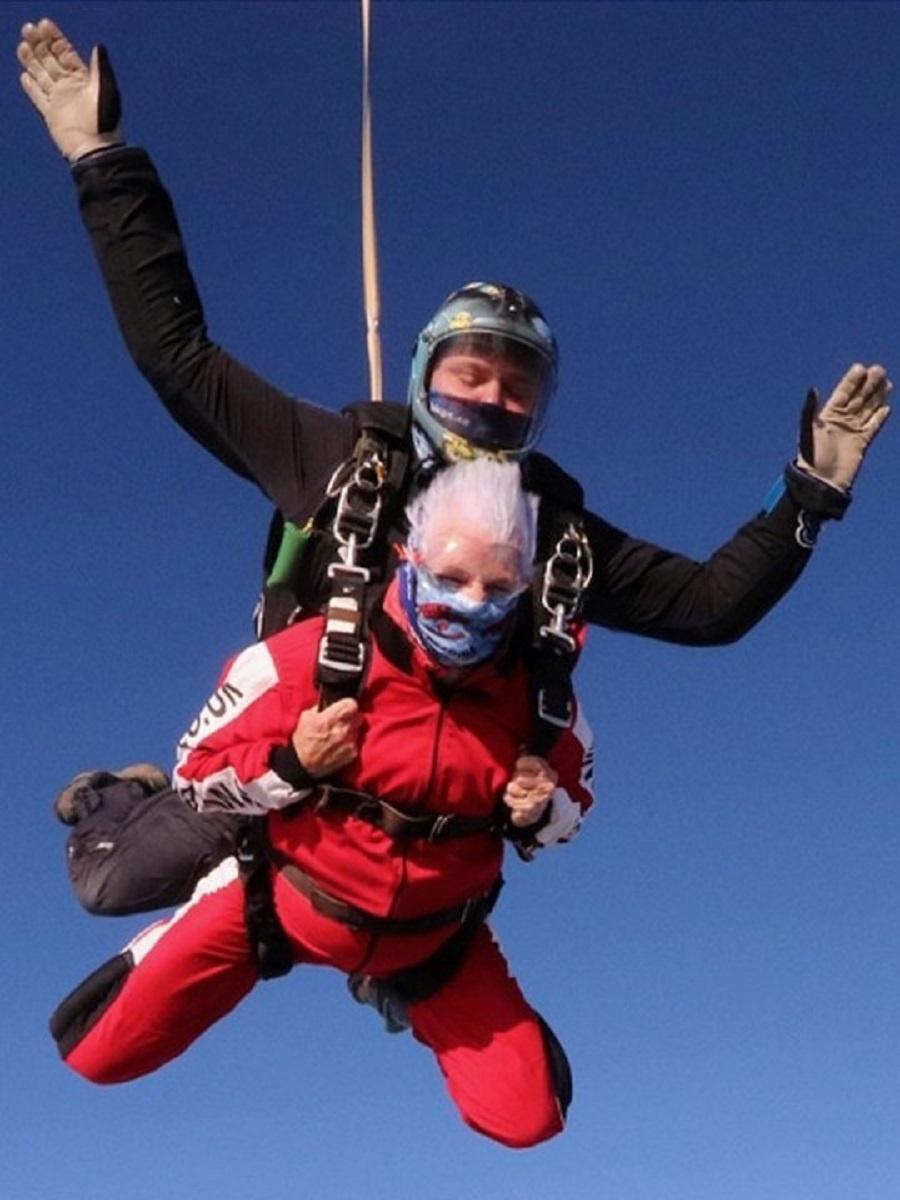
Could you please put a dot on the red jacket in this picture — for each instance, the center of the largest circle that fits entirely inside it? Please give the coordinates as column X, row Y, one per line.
column 423, row 748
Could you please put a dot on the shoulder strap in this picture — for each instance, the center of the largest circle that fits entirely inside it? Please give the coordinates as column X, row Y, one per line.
column 298, row 558
column 560, row 580
column 367, row 491
column 545, row 476
column 390, row 421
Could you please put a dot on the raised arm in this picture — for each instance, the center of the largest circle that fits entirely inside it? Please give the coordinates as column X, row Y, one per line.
column 79, row 103
column 641, row 588
column 289, row 448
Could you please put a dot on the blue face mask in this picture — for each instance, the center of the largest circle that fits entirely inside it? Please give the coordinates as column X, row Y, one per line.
column 488, row 426
column 456, row 631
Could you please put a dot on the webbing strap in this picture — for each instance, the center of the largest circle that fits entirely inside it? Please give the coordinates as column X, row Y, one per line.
column 430, row 827
column 473, row 909
column 371, row 291
column 269, row 944
column 554, row 652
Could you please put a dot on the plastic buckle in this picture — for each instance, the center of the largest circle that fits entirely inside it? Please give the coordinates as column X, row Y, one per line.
column 368, row 809
column 349, row 664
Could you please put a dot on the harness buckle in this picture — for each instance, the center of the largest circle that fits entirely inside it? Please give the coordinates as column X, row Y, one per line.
column 438, row 825
column 567, row 573
column 354, row 570
column 566, row 642
column 359, row 505
column 550, row 714
column 245, row 855
column 368, row 808
column 341, row 653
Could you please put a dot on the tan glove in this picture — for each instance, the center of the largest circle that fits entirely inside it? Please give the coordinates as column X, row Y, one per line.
column 835, row 437
column 80, row 105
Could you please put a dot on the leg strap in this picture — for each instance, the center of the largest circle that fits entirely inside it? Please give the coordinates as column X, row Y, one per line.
column 268, row 941
column 392, row 995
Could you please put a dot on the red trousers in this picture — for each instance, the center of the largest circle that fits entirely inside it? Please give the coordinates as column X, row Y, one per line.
column 194, row 968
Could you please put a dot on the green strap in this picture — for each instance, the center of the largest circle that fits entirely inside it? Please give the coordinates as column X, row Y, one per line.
column 293, row 540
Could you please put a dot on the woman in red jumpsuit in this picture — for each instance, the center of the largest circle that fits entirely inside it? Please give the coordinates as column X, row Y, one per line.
column 437, row 735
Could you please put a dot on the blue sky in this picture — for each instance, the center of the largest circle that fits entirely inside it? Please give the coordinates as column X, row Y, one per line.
column 701, row 197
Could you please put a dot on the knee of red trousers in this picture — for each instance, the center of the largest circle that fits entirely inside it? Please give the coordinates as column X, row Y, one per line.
column 518, row 1105
column 96, row 1066
column 522, row 1135
column 491, row 1049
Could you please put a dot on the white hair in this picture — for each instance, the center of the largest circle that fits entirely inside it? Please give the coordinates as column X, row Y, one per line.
column 481, row 496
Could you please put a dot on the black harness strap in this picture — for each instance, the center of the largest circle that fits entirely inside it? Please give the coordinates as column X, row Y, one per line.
column 299, row 553
column 269, row 944
column 391, row 995
column 476, row 908
column 431, row 827
column 424, row 979
column 557, row 593
column 358, row 486
column 556, row 607
column 363, row 488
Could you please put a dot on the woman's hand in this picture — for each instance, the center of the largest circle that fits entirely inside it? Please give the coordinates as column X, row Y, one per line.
column 529, row 790
column 327, row 740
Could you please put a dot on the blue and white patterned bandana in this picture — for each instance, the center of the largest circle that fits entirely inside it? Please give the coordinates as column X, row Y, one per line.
column 456, row 631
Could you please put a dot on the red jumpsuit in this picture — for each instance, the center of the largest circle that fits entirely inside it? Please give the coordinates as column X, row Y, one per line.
column 424, row 748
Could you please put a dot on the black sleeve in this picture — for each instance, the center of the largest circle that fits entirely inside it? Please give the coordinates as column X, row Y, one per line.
column 288, row 447
column 641, row 588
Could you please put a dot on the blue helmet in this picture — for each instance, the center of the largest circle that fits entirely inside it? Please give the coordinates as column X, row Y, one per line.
column 488, row 319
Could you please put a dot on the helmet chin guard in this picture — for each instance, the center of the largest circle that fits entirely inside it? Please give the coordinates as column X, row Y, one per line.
column 498, row 322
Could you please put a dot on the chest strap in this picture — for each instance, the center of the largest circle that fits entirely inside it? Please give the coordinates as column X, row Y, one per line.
column 476, row 908
column 431, row 827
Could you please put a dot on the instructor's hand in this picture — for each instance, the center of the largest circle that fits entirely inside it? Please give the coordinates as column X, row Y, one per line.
column 835, row 437
column 80, row 104
column 327, row 740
